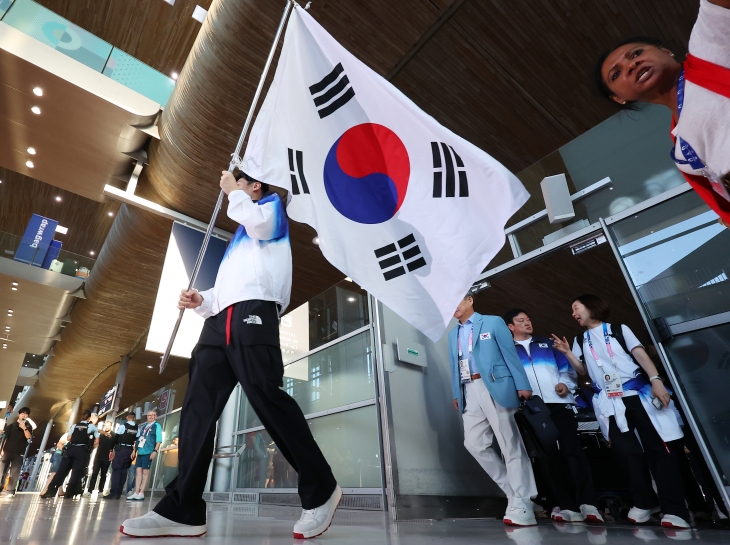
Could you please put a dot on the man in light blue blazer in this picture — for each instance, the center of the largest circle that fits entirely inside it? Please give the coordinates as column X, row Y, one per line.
column 487, row 379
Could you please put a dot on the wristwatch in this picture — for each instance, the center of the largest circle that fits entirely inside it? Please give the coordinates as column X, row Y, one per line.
column 656, row 377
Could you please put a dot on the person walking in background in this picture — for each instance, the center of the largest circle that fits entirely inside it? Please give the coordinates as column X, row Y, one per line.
column 149, row 439
column 553, row 378
column 55, row 463
column 488, row 380
column 17, row 436
column 631, row 394
column 81, row 438
column 102, row 460
column 121, row 455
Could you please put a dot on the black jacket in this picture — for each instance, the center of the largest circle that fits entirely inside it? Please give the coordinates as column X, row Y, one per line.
column 16, row 442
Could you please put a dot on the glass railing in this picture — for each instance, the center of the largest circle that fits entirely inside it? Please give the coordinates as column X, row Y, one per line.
column 45, row 256
column 62, row 35
column 630, row 148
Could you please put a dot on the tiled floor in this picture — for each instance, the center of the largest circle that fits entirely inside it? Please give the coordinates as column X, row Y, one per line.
column 26, row 519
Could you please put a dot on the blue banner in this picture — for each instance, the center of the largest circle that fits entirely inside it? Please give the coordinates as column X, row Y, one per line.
column 52, row 254
column 36, row 240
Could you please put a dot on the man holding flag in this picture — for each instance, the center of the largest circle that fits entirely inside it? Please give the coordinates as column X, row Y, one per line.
column 387, row 189
column 240, row 343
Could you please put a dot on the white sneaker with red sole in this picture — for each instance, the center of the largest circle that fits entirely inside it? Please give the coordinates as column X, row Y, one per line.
column 519, row 516
column 639, row 516
column 675, row 522
column 566, row 515
column 591, row 513
column 154, row 525
column 315, row 522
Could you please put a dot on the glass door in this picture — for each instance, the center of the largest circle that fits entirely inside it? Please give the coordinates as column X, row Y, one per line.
column 677, row 258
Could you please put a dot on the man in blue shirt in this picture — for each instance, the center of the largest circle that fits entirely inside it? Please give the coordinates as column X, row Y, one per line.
column 149, row 439
column 487, row 380
column 82, row 438
column 553, row 379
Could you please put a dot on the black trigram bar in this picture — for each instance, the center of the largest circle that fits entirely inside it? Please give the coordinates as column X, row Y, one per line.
column 332, row 92
column 395, row 258
column 296, row 171
column 451, row 168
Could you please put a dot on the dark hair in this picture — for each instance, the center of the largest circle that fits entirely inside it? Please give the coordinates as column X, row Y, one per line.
column 597, row 68
column 598, row 308
column 85, row 415
column 242, row 174
column 510, row 316
column 25, row 410
column 130, row 413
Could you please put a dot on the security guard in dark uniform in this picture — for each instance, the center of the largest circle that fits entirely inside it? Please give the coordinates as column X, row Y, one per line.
column 81, row 436
column 122, row 455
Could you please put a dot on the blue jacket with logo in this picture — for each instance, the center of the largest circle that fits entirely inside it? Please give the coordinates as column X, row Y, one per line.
column 545, row 367
column 496, row 359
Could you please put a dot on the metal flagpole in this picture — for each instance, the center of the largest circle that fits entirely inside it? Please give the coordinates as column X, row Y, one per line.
column 232, row 165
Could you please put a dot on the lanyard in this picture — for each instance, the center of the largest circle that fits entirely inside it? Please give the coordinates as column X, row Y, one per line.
column 471, row 340
column 692, row 159
column 147, row 428
column 607, row 340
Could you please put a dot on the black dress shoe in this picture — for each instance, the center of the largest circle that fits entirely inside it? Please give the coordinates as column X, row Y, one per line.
column 48, row 495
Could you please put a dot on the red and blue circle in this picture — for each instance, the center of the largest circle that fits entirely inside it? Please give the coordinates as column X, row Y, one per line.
column 366, row 173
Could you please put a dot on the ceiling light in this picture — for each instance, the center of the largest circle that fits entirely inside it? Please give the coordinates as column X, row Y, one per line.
column 149, row 367
column 15, row 283
column 61, row 229
column 351, row 299
column 174, row 75
column 10, row 310
column 58, row 199
column 91, row 252
column 37, row 91
column 315, row 240
column 14, row 289
column 199, row 14
column 348, row 279
column 5, row 346
column 31, row 151
column 29, row 164
column 111, row 214
column 36, row 110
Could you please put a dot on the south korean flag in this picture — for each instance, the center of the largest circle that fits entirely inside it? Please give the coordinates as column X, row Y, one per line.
column 406, row 208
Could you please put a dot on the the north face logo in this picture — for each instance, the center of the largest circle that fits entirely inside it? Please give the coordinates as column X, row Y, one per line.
column 252, row 319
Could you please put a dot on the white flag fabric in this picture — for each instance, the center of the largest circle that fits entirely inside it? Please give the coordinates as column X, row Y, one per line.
column 406, row 208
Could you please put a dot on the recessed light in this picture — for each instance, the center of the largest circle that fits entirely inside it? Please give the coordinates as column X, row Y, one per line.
column 199, row 14
column 149, row 367
column 14, row 289
column 351, row 299
column 31, row 151
column 36, row 110
column 37, row 91
column 29, row 164
column 315, row 240
column 111, row 214
column 91, row 252
column 10, row 310
column 58, row 199
column 174, row 75
column 15, row 283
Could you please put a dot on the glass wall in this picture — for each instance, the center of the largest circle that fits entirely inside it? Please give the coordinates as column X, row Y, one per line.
column 631, row 148
column 678, row 257
column 330, row 372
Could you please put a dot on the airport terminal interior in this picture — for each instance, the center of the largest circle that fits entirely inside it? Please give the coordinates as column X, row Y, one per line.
column 117, row 118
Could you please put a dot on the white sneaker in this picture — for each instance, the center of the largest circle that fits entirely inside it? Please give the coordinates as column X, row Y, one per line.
column 590, row 513
column 673, row 521
column 154, row 525
column 9, row 495
column 135, row 497
column 519, row 516
column 638, row 516
column 566, row 515
column 555, row 511
column 315, row 522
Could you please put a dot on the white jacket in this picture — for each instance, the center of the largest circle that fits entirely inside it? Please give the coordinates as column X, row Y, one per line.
column 257, row 263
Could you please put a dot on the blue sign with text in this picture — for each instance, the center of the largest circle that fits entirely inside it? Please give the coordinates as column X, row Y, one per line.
column 36, row 240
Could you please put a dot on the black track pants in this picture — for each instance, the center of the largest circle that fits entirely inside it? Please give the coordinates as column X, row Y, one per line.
column 240, row 345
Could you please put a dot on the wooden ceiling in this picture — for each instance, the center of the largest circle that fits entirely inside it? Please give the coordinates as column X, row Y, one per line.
column 512, row 77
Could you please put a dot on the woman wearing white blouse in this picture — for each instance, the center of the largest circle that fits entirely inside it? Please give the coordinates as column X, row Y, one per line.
column 629, row 392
